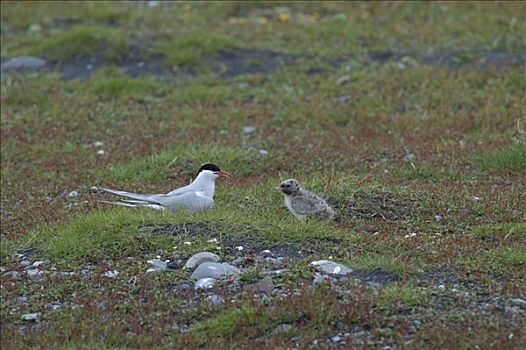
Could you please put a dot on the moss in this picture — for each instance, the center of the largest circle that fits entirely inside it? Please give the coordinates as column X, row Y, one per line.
column 83, row 41
column 193, row 47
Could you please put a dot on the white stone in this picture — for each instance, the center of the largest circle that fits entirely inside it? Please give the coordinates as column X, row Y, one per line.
column 199, row 258
column 204, row 283
column 111, row 274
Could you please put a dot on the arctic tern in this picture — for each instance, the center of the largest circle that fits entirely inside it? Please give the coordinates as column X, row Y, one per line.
column 195, row 197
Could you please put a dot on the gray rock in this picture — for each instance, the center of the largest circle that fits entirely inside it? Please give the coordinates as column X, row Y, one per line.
column 156, row 265
column 263, row 152
column 408, row 158
column 344, row 79
column 215, row 300
column 32, row 316
column 264, row 286
column 34, row 273
column 274, row 272
column 518, row 302
column 199, row 258
column 284, row 327
column 25, row 263
column 214, row 270
column 56, row 305
column 318, row 278
column 30, row 267
column 204, row 283
column 73, row 194
column 276, row 261
column 85, row 272
column 39, row 263
column 12, row 274
column 331, row 267
column 336, row 338
column 111, row 274
column 23, row 64
column 342, row 99
column 185, row 287
column 249, row 129
column 266, row 253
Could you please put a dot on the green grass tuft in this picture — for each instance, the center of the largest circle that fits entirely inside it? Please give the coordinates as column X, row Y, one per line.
column 193, row 47
column 117, row 85
column 83, row 41
column 512, row 158
column 186, row 158
column 400, row 295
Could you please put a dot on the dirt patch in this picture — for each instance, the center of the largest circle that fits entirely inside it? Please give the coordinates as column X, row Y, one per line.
column 376, row 205
column 245, row 242
column 244, row 61
column 454, row 59
column 377, row 276
column 190, row 229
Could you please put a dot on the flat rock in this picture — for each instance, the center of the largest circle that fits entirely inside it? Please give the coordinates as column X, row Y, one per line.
column 199, row 258
column 343, row 80
column 32, row 316
column 215, row 300
column 23, row 64
column 204, row 283
column 214, row 270
column 331, row 267
column 284, row 327
column 156, row 265
column 248, row 129
column 111, row 274
column 517, row 301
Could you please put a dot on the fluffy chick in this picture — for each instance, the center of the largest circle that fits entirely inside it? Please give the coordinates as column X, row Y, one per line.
column 302, row 203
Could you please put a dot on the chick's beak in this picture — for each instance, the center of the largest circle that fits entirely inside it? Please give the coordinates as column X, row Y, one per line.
column 224, row 174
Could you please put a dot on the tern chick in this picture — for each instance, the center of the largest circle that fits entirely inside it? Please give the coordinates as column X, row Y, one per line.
column 302, row 203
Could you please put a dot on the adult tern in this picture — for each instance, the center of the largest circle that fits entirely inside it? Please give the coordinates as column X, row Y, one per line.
column 195, row 197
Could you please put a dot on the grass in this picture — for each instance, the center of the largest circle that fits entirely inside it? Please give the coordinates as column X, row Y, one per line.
column 383, row 262
column 451, row 217
column 113, row 84
column 511, row 158
column 82, row 41
column 193, row 47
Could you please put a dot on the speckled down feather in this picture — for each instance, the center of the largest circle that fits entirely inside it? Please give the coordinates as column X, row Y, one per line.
column 302, row 203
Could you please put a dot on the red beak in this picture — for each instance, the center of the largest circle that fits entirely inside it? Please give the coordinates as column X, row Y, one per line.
column 224, row 174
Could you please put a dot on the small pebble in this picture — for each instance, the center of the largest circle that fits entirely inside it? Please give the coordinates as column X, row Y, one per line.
column 111, row 274
column 249, row 129
column 204, row 283
column 344, row 79
column 32, row 316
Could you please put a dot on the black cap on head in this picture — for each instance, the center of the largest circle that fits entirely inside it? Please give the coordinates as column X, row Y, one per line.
column 208, row 166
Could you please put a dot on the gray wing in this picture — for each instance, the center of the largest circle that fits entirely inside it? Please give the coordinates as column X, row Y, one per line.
column 194, row 201
column 151, row 198
column 180, row 190
column 308, row 203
